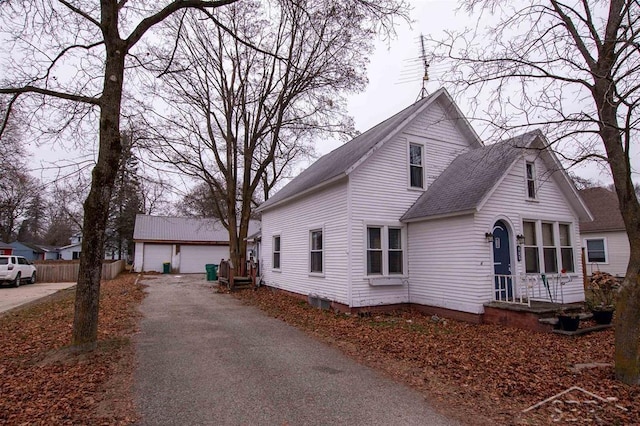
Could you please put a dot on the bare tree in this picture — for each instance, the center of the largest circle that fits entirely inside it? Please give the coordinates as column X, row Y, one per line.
column 72, row 57
column 247, row 103
column 573, row 68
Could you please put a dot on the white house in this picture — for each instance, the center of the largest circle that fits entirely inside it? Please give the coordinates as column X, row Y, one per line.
column 73, row 250
column 605, row 242
column 187, row 243
column 416, row 210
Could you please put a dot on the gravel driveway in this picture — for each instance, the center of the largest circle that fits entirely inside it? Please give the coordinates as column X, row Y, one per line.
column 203, row 358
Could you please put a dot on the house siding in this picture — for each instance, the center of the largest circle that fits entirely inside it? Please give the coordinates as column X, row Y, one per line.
column 381, row 195
column 293, row 221
column 509, row 202
column 617, row 250
column 449, row 265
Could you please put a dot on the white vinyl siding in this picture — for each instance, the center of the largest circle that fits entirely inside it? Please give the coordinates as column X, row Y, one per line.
column 380, row 196
column 617, row 250
column 551, row 207
column 324, row 209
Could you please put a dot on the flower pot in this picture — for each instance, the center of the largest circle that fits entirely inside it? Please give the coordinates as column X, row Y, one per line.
column 569, row 322
column 602, row 316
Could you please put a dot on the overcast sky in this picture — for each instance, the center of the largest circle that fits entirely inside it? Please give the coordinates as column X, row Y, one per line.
column 395, row 76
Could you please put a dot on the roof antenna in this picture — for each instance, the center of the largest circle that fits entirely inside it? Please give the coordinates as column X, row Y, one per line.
column 425, row 64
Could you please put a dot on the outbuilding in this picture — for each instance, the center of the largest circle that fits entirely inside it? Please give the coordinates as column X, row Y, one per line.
column 187, row 243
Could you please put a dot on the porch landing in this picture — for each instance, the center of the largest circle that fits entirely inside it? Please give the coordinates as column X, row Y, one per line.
column 527, row 317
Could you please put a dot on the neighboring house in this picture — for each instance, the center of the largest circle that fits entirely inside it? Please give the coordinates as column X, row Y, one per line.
column 50, row 252
column 71, row 251
column 416, row 210
column 187, row 243
column 28, row 251
column 5, row 248
column 605, row 242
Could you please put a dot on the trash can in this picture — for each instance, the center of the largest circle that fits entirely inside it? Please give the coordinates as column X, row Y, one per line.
column 166, row 267
column 212, row 272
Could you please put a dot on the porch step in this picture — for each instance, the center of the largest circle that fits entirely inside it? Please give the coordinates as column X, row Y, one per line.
column 581, row 331
column 554, row 320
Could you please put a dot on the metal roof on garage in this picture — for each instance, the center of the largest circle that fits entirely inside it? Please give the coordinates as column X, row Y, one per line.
column 182, row 229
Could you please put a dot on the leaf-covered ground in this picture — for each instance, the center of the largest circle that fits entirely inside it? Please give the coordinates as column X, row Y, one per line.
column 479, row 374
column 42, row 382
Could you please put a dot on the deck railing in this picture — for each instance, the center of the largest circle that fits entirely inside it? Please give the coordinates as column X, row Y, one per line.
column 523, row 289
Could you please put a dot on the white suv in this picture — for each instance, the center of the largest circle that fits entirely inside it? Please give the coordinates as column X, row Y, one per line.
column 15, row 270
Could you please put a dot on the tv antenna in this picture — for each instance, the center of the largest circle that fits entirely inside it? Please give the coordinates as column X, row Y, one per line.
column 425, row 65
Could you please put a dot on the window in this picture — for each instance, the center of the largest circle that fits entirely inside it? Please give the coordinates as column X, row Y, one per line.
column 395, row 251
column 566, row 249
column 596, row 251
column 316, row 251
column 549, row 249
column 553, row 240
column 531, row 260
column 276, row 252
column 75, row 255
column 531, row 180
column 374, row 251
column 384, row 251
column 416, row 172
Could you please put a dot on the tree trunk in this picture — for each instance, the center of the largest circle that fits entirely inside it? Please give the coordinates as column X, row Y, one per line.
column 96, row 206
column 627, row 323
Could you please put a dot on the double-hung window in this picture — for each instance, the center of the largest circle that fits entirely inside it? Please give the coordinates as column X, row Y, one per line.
column 566, row 249
column 316, row 255
column 531, row 258
column 416, row 170
column 385, row 252
column 596, row 250
column 531, row 179
column 547, row 247
column 276, row 252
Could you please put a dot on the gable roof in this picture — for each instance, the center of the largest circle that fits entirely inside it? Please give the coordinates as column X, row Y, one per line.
column 463, row 185
column 468, row 181
column 4, row 245
column 338, row 163
column 28, row 246
column 604, row 206
column 182, row 229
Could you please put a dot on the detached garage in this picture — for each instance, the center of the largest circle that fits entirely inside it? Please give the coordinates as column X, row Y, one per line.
column 187, row 243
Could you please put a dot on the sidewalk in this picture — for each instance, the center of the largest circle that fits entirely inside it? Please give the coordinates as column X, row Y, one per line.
column 13, row 297
column 205, row 359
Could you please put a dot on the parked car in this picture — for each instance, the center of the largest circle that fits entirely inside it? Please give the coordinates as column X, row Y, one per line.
column 16, row 270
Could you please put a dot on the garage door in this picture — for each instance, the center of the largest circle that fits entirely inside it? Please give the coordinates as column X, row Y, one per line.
column 193, row 258
column 155, row 255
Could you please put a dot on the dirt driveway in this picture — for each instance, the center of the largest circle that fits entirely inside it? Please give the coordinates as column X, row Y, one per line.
column 205, row 358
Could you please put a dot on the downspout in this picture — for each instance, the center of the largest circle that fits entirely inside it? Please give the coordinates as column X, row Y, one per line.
column 349, row 243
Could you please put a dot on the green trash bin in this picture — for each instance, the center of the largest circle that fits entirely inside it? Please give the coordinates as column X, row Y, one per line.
column 212, row 272
column 166, row 267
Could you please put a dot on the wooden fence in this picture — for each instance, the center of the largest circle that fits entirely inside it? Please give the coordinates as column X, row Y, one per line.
column 68, row 272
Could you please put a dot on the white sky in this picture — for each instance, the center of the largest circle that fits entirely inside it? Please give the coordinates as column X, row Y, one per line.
column 395, row 78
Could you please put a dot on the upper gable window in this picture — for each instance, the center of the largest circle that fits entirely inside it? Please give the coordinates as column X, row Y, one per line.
column 531, row 180
column 416, row 171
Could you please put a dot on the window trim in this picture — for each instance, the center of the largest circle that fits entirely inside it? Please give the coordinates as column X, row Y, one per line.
column 606, row 250
column 540, row 246
column 273, row 252
column 410, row 165
column 384, row 227
column 533, row 180
column 322, row 251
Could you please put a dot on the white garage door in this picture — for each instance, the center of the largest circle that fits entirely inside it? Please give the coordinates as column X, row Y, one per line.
column 193, row 258
column 155, row 255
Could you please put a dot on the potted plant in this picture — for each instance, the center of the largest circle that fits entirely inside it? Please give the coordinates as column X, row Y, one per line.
column 568, row 321
column 603, row 288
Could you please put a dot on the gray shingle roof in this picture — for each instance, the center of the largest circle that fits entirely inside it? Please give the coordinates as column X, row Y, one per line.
column 338, row 161
column 469, row 178
column 605, row 209
column 186, row 229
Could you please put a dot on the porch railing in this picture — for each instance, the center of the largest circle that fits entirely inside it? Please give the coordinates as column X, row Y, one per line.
column 523, row 289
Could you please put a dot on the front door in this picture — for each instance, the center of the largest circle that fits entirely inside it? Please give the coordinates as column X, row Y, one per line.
column 502, row 262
